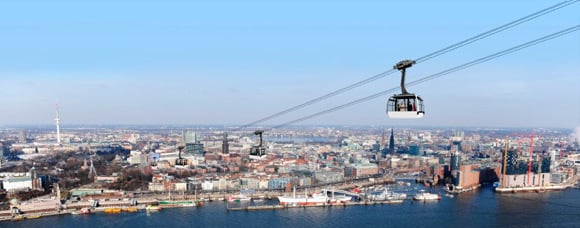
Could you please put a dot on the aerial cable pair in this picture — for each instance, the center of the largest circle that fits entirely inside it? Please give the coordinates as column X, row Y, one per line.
column 419, row 60
column 408, row 105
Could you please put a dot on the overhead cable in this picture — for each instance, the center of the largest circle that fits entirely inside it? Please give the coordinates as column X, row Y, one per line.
column 418, row 60
column 437, row 75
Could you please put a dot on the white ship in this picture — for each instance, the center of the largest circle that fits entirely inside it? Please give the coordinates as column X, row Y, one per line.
column 239, row 198
column 323, row 197
column 422, row 195
column 387, row 194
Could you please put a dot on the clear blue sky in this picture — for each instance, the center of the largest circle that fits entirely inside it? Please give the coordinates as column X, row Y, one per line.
column 232, row 62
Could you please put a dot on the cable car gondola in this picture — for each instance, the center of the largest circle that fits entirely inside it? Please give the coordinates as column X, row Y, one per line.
column 258, row 152
column 180, row 160
column 405, row 105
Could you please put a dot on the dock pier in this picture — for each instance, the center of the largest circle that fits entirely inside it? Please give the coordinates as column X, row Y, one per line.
column 278, row 207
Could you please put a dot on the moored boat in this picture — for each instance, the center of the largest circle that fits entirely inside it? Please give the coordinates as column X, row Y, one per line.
column 151, row 208
column 113, row 210
column 422, row 195
column 82, row 211
column 239, row 198
column 177, row 203
column 33, row 216
column 318, row 198
column 260, row 199
column 130, row 209
column 387, row 194
column 17, row 218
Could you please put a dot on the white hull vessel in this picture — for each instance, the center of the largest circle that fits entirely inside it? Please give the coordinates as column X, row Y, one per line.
column 315, row 199
column 426, row 196
column 388, row 195
column 239, row 198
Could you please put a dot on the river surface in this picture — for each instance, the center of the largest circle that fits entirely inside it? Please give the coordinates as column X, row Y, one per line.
column 480, row 208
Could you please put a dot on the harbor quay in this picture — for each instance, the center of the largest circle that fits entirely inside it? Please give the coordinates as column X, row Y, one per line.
column 287, row 206
column 177, row 169
column 300, row 190
column 50, row 207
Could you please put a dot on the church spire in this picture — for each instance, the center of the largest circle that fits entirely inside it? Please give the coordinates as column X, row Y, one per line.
column 392, row 143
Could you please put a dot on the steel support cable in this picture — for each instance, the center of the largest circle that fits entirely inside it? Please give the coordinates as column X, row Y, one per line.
column 323, row 97
column 418, row 60
column 437, row 75
column 496, row 30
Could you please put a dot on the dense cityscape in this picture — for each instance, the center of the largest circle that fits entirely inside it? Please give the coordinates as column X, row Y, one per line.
column 289, row 114
column 50, row 171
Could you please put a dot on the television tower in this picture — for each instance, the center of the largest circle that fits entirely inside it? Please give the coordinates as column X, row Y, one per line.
column 57, row 119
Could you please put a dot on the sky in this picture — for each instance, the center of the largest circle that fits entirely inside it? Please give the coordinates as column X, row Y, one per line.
column 234, row 62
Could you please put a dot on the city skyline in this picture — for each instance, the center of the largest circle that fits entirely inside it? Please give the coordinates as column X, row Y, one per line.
column 289, row 113
column 181, row 63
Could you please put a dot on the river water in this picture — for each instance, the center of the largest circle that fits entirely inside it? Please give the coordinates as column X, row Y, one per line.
column 481, row 208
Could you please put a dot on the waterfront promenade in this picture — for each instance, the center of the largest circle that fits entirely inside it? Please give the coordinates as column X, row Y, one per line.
column 142, row 200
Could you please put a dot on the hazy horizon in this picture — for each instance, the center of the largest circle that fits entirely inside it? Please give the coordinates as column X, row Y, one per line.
column 74, row 126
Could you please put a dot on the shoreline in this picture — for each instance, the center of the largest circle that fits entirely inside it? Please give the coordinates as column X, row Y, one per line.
column 533, row 189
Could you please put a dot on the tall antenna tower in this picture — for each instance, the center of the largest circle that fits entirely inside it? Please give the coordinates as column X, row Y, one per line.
column 57, row 119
